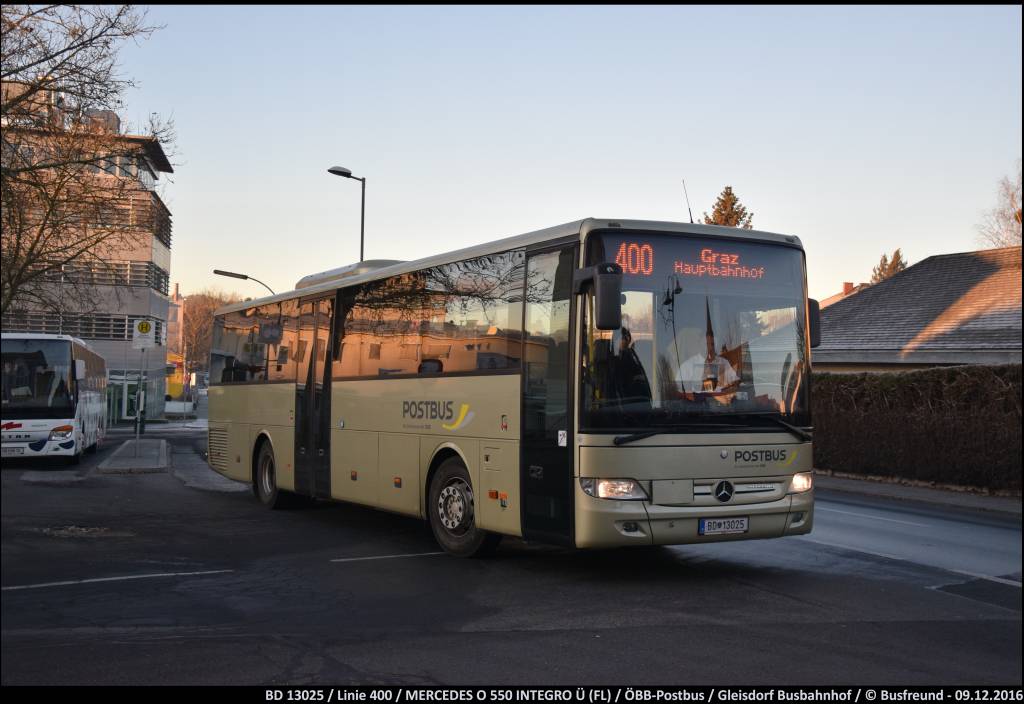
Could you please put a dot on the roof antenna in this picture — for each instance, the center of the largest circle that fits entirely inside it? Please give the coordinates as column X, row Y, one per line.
column 687, row 201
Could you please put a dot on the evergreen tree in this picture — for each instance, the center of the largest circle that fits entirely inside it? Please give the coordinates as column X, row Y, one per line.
column 729, row 211
column 887, row 267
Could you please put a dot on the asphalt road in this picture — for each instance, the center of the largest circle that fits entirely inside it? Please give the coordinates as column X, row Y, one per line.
column 882, row 592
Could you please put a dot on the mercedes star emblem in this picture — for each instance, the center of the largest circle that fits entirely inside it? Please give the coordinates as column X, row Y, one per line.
column 723, row 491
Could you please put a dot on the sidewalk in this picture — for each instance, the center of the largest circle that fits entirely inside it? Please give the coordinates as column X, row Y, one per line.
column 152, row 456
column 945, row 497
column 190, row 424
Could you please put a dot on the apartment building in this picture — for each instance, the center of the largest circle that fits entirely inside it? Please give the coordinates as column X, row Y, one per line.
column 100, row 298
column 175, row 323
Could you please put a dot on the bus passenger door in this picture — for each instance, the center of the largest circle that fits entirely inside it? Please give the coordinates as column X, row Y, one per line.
column 546, row 461
column 313, row 399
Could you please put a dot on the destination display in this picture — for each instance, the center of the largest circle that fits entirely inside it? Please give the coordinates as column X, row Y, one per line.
column 637, row 259
column 699, row 260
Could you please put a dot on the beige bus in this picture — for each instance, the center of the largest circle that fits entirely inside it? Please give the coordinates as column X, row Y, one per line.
column 595, row 384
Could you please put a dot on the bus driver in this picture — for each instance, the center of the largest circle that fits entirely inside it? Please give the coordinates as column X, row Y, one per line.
column 706, row 371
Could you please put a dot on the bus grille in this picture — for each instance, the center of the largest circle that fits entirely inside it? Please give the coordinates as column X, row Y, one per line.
column 217, row 446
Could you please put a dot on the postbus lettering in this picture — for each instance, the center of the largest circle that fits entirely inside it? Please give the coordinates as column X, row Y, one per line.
column 428, row 410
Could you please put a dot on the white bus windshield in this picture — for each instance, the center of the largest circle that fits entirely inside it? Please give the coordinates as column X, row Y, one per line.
column 713, row 332
column 37, row 379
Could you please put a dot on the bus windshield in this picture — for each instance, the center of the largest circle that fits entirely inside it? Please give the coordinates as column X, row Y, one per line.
column 37, row 379
column 713, row 333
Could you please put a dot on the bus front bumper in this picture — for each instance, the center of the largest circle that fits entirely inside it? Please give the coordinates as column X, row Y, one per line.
column 603, row 523
column 39, row 448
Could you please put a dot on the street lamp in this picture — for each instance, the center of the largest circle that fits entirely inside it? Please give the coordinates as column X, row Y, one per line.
column 246, row 277
column 346, row 173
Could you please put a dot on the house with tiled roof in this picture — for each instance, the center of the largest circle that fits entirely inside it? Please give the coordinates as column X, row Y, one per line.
column 849, row 288
column 948, row 309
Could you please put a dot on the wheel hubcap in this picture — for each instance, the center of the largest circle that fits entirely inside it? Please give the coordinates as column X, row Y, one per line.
column 267, row 476
column 455, row 506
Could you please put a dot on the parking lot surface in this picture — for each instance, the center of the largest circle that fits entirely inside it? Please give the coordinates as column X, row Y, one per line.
column 180, row 577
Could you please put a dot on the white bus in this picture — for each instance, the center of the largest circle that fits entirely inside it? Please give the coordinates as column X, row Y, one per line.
column 594, row 384
column 54, row 396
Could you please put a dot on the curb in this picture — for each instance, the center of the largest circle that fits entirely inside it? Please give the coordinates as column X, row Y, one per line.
column 120, row 463
column 1006, row 505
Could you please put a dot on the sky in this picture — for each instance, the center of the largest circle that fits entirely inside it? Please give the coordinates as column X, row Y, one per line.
column 858, row 129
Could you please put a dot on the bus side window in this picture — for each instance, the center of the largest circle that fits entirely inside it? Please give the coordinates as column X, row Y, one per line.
column 482, row 300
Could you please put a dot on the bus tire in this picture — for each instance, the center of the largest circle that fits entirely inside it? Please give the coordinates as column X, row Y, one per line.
column 265, row 480
column 451, row 510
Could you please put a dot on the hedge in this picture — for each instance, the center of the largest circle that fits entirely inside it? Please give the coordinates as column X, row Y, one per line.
column 948, row 425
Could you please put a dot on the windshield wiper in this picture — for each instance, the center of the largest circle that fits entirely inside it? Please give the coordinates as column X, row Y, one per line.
column 799, row 432
column 623, row 439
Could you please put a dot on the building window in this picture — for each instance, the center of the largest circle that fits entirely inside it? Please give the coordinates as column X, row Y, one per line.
column 88, row 326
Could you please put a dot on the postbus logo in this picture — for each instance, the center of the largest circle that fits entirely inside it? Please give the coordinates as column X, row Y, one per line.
column 464, row 419
column 778, row 457
column 439, row 410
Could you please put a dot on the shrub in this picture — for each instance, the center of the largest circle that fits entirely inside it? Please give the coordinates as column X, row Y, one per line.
column 950, row 425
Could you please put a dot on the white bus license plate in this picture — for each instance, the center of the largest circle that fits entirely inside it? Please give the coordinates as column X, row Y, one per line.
column 723, row 526
column 8, row 451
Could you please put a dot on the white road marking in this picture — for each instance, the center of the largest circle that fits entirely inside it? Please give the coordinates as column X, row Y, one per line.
column 385, row 557
column 112, row 579
column 975, row 575
column 874, row 518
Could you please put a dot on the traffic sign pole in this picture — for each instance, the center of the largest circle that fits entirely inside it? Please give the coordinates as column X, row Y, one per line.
column 143, row 337
column 139, row 400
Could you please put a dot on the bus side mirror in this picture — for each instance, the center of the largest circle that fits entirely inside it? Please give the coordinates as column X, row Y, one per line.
column 606, row 279
column 79, row 370
column 814, row 321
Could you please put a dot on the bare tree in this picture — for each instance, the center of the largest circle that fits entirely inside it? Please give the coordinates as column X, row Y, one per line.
column 1001, row 226
column 197, row 323
column 63, row 226
column 69, row 180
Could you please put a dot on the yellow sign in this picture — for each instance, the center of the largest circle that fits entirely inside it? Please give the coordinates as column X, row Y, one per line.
column 143, row 335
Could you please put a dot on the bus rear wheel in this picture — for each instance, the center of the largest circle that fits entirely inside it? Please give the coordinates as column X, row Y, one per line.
column 452, row 511
column 265, row 480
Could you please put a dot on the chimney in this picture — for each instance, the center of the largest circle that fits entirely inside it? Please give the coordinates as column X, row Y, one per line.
column 847, row 288
column 107, row 120
column 176, row 297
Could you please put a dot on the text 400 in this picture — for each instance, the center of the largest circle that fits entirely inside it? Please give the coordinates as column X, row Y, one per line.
column 635, row 258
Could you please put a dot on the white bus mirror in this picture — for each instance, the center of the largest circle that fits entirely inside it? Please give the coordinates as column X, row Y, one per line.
column 79, row 369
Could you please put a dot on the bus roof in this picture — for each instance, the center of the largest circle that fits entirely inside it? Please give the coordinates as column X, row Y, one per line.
column 46, row 336
column 578, row 228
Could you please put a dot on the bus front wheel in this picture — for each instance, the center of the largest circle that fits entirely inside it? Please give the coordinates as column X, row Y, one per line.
column 452, row 511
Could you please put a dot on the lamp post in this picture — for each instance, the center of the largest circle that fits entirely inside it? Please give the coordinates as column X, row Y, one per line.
column 346, row 173
column 245, row 277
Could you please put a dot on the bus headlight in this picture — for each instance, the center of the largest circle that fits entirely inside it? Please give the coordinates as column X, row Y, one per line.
column 621, row 489
column 61, row 432
column 802, row 481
